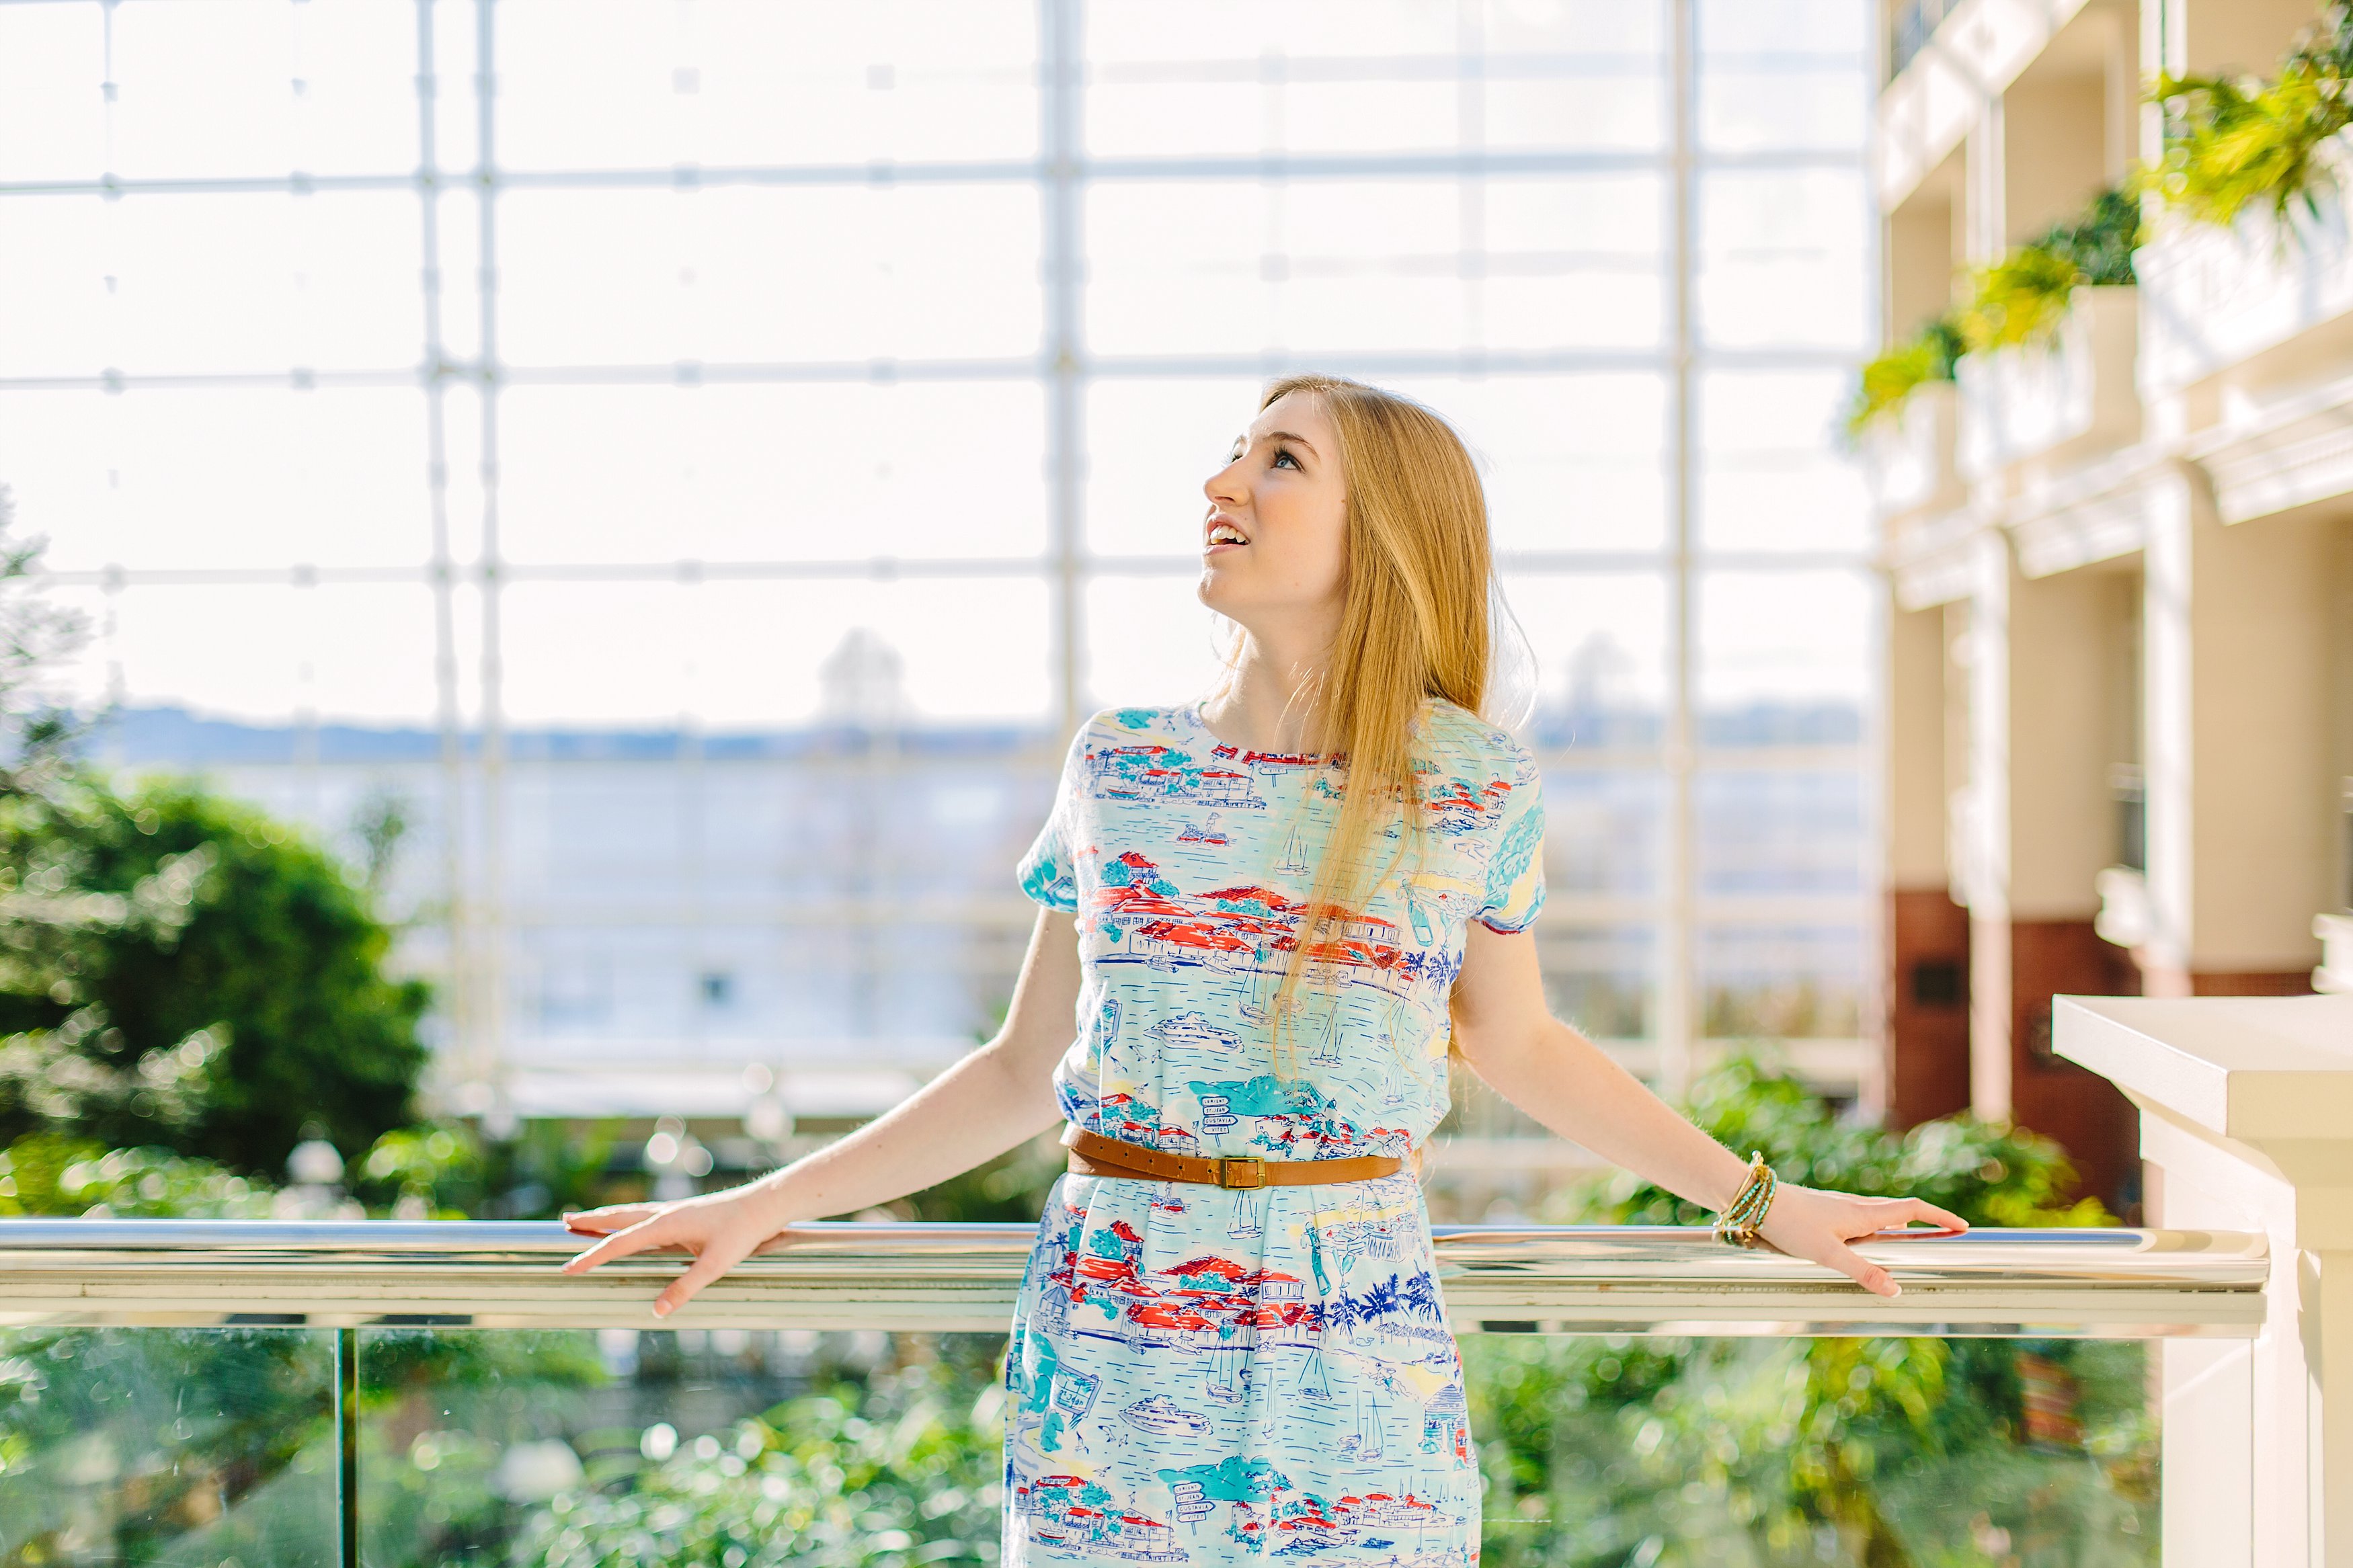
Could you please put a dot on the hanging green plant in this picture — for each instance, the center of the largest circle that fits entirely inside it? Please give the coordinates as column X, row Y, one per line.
column 1886, row 381
column 2233, row 143
column 2018, row 301
column 2102, row 241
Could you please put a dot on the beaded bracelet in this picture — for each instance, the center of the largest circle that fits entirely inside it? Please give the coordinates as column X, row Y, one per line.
column 1741, row 1219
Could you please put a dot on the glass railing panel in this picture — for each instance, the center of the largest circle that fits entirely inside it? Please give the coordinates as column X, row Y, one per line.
column 563, row 1450
column 687, row 1448
column 169, row 1446
column 1846, row 1453
column 1633, row 1397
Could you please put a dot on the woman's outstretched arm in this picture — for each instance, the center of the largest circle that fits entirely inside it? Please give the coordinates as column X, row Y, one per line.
column 996, row 1099
column 1504, row 1031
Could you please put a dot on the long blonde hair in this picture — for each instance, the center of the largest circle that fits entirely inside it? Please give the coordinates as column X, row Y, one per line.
column 1418, row 622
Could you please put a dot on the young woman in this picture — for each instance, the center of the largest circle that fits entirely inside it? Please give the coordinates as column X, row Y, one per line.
column 1273, row 915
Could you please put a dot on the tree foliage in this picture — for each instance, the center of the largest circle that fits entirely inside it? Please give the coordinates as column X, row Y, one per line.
column 37, row 722
column 51, row 1174
column 180, row 970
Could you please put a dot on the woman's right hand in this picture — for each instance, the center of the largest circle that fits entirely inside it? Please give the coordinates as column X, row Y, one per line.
column 721, row 1230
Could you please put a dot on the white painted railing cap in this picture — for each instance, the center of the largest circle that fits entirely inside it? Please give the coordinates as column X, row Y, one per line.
column 2250, row 1068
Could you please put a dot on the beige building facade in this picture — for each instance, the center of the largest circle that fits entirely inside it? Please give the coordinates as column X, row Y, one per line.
column 2118, row 567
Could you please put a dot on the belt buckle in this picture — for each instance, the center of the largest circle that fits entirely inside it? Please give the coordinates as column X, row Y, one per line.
column 1232, row 1168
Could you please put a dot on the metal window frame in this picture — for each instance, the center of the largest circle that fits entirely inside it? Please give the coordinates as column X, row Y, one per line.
column 473, row 787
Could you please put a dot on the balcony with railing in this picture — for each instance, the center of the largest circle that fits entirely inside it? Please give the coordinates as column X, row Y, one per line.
column 2034, row 412
column 1908, row 455
column 2216, row 297
column 272, row 1392
column 413, row 1392
column 2248, row 328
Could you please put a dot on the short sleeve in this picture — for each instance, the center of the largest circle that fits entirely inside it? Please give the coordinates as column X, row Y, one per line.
column 1515, row 887
column 1048, row 873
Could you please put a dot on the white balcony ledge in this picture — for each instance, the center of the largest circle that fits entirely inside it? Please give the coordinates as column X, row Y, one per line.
column 2267, row 456
column 2029, row 414
column 2095, row 512
column 1932, row 556
column 2260, row 302
column 1908, row 454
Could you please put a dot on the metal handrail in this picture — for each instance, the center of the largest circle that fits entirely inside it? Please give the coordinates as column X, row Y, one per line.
column 1989, row 1283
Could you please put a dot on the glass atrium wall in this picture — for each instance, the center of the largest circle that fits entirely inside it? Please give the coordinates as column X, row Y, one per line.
column 696, row 460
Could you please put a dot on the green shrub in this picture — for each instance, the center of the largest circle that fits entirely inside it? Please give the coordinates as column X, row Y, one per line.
column 49, row 1174
column 1604, row 1450
column 1986, row 1173
column 907, row 1470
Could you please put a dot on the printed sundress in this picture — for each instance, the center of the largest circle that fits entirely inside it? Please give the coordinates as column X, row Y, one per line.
column 1200, row 1376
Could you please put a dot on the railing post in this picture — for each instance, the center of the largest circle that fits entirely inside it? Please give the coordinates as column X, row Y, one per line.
column 2246, row 1120
column 347, row 1443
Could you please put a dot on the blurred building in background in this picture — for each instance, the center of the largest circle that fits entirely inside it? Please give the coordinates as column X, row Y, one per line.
column 2120, row 664
column 694, row 463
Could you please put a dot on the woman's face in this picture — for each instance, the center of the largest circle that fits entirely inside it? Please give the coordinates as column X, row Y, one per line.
column 1274, row 543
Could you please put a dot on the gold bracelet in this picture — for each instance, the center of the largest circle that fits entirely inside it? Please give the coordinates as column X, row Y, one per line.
column 1744, row 1217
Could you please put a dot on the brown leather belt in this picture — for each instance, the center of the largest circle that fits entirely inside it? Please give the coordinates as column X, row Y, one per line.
column 1092, row 1154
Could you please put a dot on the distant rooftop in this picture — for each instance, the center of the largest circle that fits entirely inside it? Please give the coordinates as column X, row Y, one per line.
column 148, row 737
column 174, row 736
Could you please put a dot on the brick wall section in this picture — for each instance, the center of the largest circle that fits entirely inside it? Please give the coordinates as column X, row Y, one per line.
column 2085, row 1113
column 2257, row 983
column 1927, row 1007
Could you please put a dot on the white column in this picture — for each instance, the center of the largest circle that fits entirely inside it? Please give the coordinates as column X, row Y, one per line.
column 2238, row 656
column 1983, row 834
column 2246, row 1111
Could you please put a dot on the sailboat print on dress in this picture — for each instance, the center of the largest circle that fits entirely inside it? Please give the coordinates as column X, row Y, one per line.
column 1364, row 1441
column 1258, row 991
column 1327, row 1052
column 1314, row 1382
column 1294, row 858
column 1206, row 1376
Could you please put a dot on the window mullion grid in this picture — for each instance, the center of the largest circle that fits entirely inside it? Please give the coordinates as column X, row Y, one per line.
column 1676, row 1023
column 1061, row 170
column 441, row 571
column 487, row 1068
column 1060, row 136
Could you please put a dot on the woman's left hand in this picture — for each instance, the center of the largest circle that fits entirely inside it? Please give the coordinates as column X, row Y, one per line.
column 1807, row 1223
